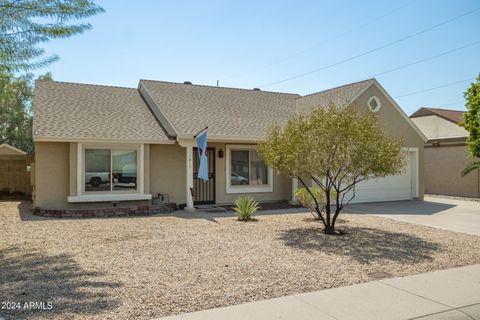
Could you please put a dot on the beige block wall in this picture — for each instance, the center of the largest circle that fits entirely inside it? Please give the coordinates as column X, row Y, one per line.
column 394, row 124
column 442, row 167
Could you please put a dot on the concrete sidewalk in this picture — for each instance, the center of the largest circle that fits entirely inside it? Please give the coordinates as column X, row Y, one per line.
column 447, row 294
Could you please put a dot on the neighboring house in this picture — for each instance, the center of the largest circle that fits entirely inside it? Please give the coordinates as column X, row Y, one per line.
column 97, row 144
column 446, row 153
column 14, row 172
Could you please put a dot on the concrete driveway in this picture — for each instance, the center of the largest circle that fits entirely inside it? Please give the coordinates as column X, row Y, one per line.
column 443, row 213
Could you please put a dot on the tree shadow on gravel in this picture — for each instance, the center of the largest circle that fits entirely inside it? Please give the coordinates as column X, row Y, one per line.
column 38, row 277
column 363, row 244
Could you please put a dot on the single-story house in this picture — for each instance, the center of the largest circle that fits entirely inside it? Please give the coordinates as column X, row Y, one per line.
column 96, row 144
column 446, row 153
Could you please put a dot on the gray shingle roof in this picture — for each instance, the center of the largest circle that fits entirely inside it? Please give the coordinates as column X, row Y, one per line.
column 83, row 111
column 70, row 111
column 339, row 96
column 455, row 116
column 226, row 111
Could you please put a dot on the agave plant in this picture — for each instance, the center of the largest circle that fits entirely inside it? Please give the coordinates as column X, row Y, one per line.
column 245, row 208
column 472, row 166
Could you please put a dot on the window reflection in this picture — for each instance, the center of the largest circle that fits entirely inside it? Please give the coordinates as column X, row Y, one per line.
column 247, row 168
column 107, row 170
column 97, row 170
column 124, row 169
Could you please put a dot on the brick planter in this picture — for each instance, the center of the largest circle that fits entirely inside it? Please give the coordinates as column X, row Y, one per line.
column 106, row 212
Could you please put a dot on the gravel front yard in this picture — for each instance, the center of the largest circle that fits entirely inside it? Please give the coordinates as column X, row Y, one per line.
column 155, row 266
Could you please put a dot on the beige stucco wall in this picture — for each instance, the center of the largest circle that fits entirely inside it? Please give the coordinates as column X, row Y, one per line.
column 435, row 127
column 396, row 125
column 442, row 167
column 51, row 174
column 168, row 172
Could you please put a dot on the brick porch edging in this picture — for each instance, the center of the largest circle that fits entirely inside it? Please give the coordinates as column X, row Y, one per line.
column 106, row 212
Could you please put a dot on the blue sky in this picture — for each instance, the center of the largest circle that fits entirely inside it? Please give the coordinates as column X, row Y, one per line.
column 250, row 44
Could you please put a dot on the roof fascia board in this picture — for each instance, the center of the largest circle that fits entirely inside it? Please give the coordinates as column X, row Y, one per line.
column 155, row 109
column 92, row 140
column 222, row 138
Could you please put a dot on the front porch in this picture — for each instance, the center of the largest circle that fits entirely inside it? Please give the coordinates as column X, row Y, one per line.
column 230, row 176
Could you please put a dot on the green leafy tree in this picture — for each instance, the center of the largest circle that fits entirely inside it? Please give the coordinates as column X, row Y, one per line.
column 15, row 115
column 15, row 110
column 24, row 24
column 472, row 125
column 335, row 148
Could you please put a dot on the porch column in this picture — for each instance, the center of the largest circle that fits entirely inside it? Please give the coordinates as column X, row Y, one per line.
column 189, row 207
column 294, row 199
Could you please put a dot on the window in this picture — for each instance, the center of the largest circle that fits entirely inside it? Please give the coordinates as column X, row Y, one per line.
column 97, row 170
column 374, row 104
column 110, row 170
column 246, row 171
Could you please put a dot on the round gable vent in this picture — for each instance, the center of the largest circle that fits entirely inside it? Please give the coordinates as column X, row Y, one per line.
column 374, row 104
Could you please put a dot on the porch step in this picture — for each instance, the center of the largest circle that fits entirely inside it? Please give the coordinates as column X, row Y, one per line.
column 210, row 208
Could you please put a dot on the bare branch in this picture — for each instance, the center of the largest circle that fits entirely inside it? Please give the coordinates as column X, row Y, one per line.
column 317, row 207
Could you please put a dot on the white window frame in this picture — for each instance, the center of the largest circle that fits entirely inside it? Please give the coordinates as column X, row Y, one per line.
column 377, row 100
column 113, row 195
column 235, row 189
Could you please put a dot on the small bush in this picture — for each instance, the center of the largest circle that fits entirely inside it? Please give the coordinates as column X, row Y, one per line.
column 305, row 198
column 245, row 208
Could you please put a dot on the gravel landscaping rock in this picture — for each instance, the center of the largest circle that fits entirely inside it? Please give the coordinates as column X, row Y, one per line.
column 148, row 267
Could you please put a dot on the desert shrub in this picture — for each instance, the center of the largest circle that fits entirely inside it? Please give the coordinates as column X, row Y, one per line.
column 306, row 200
column 245, row 208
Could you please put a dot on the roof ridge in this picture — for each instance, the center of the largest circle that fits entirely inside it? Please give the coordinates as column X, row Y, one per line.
column 442, row 109
column 221, row 87
column 334, row 88
column 84, row 84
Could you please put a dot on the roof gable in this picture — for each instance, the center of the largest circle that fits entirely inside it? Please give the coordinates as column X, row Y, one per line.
column 376, row 85
column 455, row 116
column 7, row 149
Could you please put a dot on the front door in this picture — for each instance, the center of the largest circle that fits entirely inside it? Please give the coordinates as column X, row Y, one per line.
column 204, row 191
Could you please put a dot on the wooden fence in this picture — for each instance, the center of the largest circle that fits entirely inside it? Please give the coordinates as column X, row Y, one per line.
column 15, row 176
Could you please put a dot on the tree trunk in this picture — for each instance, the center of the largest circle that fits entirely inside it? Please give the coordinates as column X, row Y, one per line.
column 329, row 229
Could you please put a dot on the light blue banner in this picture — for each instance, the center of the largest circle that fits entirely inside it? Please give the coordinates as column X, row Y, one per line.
column 202, row 155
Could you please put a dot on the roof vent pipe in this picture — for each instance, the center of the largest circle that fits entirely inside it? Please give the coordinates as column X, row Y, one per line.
column 187, row 82
column 256, row 89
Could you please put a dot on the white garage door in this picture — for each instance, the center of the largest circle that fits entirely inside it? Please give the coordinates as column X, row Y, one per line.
column 391, row 188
